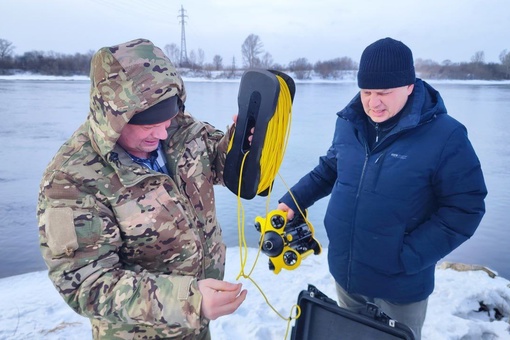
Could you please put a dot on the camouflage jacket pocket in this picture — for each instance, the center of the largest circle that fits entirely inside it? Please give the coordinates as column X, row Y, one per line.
column 60, row 232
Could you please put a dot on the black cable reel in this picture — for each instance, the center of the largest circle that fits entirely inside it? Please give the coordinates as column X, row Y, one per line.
column 258, row 97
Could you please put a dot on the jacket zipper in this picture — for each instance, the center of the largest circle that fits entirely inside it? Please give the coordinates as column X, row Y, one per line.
column 367, row 153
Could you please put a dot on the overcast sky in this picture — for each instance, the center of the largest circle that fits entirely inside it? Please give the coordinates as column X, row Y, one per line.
column 288, row 29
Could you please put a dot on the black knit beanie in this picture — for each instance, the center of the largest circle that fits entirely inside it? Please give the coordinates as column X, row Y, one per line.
column 386, row 64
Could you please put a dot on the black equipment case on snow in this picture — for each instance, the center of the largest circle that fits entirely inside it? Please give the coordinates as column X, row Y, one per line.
column 321, row 318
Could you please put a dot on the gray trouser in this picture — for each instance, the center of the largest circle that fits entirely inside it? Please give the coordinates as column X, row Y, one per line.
column 411, row 315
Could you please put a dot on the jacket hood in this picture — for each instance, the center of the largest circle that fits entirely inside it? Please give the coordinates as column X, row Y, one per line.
column 126, row 79
column 423, row 105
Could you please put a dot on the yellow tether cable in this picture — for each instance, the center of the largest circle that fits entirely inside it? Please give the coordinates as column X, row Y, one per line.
column 273, row 150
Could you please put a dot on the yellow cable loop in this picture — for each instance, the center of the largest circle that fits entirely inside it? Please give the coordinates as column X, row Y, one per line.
column 271, row 158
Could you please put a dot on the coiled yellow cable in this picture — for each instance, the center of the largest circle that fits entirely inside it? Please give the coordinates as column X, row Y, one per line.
column 277, row 134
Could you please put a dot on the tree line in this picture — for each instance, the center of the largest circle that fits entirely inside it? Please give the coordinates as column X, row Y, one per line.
column 253, row 56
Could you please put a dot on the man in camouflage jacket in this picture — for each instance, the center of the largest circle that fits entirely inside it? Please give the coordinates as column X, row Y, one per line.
column 137, row 251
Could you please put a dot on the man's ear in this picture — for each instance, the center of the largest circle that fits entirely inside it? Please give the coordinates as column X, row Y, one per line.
column 410, row 89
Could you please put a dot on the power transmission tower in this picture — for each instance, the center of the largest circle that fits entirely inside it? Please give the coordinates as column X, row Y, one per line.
column 184, row 54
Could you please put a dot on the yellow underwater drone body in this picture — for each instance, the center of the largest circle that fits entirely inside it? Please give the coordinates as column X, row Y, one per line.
column 286, row 243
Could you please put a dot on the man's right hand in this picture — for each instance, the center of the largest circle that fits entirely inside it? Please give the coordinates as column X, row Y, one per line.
column 220, row 297
column 289, row 211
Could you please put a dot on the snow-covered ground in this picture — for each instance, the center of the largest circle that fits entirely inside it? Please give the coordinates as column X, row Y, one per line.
column 30, row 307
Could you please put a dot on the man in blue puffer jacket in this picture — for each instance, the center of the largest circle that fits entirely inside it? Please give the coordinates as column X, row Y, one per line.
column 406, row 188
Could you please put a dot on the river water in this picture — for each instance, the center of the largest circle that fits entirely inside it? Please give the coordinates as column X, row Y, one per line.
column 37, row 116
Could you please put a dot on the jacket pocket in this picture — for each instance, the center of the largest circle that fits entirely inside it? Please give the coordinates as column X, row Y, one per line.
column 380, row 249
column 60, row 231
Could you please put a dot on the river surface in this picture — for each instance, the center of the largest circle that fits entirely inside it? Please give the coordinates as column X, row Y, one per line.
column 37, row 116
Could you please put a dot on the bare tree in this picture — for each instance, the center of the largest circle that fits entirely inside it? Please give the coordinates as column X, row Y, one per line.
column 478, row 57
column 267, row 61
column 192, row 60
column 173, row 52
column 301, row 68
column 428, row 68
column 218, row 62
column 251, row 49
column 201, row 57
column 504, row 56
column 6, row 49
column 230, row 71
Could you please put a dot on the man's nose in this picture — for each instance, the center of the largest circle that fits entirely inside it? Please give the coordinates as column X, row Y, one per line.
column 160, row 132
column 375, row 101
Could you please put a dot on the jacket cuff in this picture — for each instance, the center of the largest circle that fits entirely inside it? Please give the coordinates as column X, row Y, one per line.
column 225, row 141
column 289, row 201
column 184, row 310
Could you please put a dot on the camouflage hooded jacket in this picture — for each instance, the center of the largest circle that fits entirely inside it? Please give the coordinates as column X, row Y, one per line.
column 125, row 245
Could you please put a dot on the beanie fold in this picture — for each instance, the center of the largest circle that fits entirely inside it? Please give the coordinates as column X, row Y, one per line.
column 385, row 80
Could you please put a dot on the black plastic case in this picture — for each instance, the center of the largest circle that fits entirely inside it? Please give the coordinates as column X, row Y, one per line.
column 322, row 319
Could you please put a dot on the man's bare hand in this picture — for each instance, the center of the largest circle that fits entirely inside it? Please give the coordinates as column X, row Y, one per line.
column 289, row 211
column 220, row 297
column 252, row 130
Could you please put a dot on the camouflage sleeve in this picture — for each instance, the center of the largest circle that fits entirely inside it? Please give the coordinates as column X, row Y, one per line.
column 79, row 240
column 218, row 142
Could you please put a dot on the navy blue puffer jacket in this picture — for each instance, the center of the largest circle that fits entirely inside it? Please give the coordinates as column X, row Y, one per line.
column 396, row 210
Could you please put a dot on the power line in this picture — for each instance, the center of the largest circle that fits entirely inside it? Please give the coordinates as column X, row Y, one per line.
column 184, row 54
